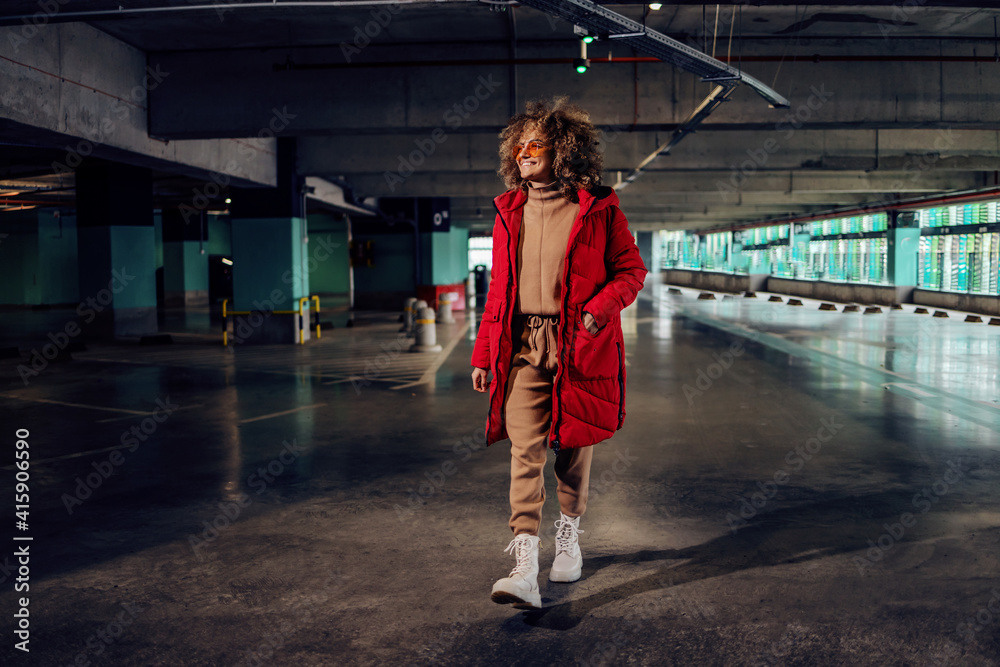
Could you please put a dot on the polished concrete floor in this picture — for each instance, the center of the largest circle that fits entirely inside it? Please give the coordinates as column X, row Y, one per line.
column 792, row 487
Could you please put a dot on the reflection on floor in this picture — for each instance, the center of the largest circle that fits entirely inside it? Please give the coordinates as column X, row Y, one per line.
column 792, row 486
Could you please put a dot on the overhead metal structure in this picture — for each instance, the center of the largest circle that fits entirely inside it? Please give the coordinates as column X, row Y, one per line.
column 606, row 24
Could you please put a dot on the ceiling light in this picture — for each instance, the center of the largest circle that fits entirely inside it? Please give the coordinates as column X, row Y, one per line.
column 655, row 6
column 583, row 34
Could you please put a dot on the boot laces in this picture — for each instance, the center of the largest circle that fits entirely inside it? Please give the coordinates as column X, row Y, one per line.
column 520, row 548
column 567, row 534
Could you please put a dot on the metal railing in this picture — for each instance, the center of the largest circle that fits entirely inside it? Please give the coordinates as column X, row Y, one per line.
column 300, row 311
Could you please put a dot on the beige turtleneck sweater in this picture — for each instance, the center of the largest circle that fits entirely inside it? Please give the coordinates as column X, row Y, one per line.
column 541, row 249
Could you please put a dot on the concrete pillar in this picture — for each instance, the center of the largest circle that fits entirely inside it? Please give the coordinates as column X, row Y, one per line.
column 737, row 262
column 116, row 249
column 647, row 244
column 903, row 248
column 185, row 264
column 270, row 254
column 799, row 242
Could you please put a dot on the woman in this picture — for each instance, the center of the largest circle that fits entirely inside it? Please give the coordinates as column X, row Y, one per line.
column 564, row 266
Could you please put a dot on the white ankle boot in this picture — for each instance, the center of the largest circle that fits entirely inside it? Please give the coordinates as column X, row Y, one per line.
column 568, row 564
column 521, row 587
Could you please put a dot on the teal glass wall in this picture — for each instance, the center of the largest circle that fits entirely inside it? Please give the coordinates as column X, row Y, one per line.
column 958, row 249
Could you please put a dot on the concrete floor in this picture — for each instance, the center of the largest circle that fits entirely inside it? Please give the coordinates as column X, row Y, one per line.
column 736, row 520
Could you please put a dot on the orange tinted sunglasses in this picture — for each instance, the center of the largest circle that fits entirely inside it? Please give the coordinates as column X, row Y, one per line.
column 530, row 149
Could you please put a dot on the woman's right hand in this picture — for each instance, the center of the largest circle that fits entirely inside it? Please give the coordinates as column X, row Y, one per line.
column 479, row 381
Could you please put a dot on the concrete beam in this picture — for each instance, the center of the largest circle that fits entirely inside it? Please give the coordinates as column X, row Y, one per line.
column 743, row 153
column 74, row 88
column 385, row 89
column 711, row 182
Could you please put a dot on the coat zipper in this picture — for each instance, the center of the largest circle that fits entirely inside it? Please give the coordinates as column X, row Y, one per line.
column 563, row 319
column 506, row 315
column 621, row 383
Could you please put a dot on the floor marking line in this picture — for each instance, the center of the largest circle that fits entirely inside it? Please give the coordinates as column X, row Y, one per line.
column 914, row 389
column 150, row 414
column 77, row 405
column 442, row 356
column 77, row 455
column 282, row 413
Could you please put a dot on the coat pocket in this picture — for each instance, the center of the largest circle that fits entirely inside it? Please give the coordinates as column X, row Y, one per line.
column 594, row 356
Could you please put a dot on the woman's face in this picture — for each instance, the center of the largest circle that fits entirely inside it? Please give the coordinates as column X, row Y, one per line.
column 535, row 157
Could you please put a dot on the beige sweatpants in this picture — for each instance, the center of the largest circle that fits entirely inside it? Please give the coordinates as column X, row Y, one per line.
column 528, row 410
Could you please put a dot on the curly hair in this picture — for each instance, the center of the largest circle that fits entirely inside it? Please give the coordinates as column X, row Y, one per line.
column 577, row 164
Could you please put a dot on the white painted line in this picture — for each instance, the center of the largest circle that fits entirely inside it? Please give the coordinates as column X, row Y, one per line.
column 77, row 405
column 282, row 413
column 35, row 462
column 442, row 356
column 911, row 388
column 150, row 414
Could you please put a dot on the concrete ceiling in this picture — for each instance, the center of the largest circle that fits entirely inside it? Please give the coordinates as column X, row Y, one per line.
column 888, row 99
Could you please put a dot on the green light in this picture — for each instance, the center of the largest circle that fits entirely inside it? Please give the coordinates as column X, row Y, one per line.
column 581, row 69
column 588, row 39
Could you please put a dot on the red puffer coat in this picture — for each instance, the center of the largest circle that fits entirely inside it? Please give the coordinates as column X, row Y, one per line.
column 602, row 274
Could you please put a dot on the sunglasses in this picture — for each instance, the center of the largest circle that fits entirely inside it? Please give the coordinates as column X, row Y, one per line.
column 530, row 149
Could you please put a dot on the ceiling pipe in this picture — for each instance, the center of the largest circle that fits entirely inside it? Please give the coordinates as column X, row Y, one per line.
column 217, row 7
column 291, row 66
